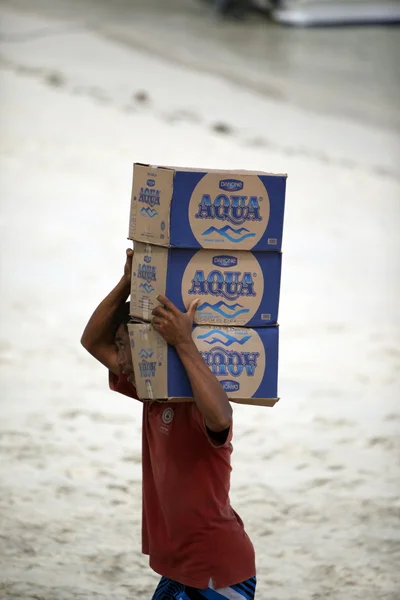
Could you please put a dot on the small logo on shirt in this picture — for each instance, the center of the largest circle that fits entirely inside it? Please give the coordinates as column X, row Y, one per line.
column 167, row 415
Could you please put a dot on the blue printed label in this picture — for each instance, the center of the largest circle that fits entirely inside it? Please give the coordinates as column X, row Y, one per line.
column 236, row 356
column 147, row 368
column 224, row 261
column 147, row 272
column 230, row 294
column 150, row 197
column 231, row 185
column 228, row 212
column 146, row 353
column 223, row 336
column 230, row 362
column 235, row 209
column 230, row 285
column 230, row 386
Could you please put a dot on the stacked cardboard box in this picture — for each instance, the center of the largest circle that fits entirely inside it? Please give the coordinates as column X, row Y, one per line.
column 213, row 235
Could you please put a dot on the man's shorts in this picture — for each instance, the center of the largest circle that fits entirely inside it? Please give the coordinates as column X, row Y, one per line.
column 172, row 590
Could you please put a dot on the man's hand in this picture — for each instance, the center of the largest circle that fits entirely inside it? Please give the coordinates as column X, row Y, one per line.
column 174, row 325
column 128, row 266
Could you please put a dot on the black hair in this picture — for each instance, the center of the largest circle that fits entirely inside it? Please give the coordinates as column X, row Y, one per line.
column 121, row 317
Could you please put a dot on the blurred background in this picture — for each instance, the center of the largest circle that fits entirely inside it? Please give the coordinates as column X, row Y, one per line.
column 87, row 88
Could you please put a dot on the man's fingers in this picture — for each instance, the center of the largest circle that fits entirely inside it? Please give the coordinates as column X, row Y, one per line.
column 160, row 311
column 168, row 304
column 192, row 308
column 156, row 322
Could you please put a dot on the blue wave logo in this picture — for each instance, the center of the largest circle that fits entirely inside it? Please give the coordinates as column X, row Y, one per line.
column 224, row 309
column 230, row 386
column 231, row 234
column 151, row 182
column 149, row 212
column 221, row 337
column 231, row 185
column 146, row 353
column 225, row 261
column 147, row 287
column 147, row 258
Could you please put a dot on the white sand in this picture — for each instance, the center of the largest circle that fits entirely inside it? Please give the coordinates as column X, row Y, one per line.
column 316, row 479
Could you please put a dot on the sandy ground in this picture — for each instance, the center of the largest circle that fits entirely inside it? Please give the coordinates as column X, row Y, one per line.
column 316, row 479
column 345, row 72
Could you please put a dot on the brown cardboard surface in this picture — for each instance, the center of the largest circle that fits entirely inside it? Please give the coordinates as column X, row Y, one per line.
column 144, row 229
column 155, row 270
column 147, row 259
column 158, row 193
column 268, row 402
column 152, row 370
column 256, row 401
column 151, row 378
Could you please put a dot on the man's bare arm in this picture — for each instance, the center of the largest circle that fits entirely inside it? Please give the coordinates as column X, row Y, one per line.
column 176, row 328
column 98, row 336
column 208, row 393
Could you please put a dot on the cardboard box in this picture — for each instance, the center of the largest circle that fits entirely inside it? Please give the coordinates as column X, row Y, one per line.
column 187, row 208
column 245, row 361
column 236, row 288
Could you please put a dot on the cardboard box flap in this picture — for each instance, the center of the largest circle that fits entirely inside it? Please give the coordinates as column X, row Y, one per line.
column 148, row 166
column 223, row 171
column 248, row 401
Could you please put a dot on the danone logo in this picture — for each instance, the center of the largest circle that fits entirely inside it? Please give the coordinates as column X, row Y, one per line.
column 224, row 261
column 230, row 386
column 230, row 362
column 151, row 182
column 231, row 185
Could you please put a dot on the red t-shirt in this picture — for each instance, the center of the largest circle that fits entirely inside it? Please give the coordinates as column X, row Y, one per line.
column 189, row 528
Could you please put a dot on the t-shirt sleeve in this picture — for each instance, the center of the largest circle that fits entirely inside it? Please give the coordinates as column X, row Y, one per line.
column 122, row 385
column 198, row 417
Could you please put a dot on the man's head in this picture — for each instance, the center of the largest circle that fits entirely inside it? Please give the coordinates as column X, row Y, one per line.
column 121, row 339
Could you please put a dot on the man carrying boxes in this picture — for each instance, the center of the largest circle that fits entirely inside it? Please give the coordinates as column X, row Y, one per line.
column 185, row 376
